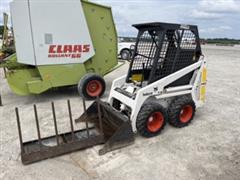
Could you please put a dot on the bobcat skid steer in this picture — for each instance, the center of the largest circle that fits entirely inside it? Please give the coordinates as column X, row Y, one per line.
column 166, row 80
column 165, row 83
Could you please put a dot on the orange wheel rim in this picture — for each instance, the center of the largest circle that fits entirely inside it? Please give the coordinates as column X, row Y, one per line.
column 155, row 122
column 186, row 113
column 94, row 88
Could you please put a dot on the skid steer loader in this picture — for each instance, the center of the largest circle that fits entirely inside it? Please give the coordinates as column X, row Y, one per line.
column 166, row 82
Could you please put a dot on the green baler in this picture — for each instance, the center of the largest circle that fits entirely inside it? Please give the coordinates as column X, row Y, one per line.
column 79, row 47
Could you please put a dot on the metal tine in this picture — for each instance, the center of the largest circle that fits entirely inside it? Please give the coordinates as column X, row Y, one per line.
column 19, row 130
column 55, row 123
column 1, row 104
column 37, row 125
column 143, row 70
column 70, row 118
column 85, row 109
column 99, row 114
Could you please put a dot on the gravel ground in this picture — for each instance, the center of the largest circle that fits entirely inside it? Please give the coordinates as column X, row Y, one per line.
column 209, row 148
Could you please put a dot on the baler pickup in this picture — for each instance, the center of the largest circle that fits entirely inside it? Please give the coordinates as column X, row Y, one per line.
column 103, row 125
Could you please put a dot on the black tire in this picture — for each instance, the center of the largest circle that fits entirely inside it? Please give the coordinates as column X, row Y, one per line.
column 143, row 122
column 125, row 54
column 181, row 111
column 87, row 90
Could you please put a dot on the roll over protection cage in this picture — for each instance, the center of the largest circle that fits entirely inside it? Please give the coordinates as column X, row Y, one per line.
column 162, row 49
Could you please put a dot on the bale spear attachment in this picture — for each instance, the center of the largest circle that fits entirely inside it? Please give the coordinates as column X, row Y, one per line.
column 104, row 125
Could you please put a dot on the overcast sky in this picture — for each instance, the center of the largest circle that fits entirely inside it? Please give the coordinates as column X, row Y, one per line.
column 215, row 18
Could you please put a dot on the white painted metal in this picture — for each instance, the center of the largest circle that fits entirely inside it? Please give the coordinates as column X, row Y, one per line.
column 167, row 95
column 197, row 85
column 51, row 30
column 22, row 32
column 178, row 88
column 158, row 90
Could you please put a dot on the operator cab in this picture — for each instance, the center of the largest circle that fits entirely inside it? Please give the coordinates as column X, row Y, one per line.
column 162, row 49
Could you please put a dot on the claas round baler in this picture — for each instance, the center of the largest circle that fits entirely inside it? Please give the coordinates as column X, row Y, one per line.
column 61, row 44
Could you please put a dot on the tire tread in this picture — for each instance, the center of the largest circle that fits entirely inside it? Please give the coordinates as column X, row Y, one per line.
column 176, row 106
column 143, row 115
column 83, row 81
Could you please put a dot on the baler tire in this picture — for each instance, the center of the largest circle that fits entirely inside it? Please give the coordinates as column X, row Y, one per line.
column 181, row 111
column 147, row 112
column 84, row 88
